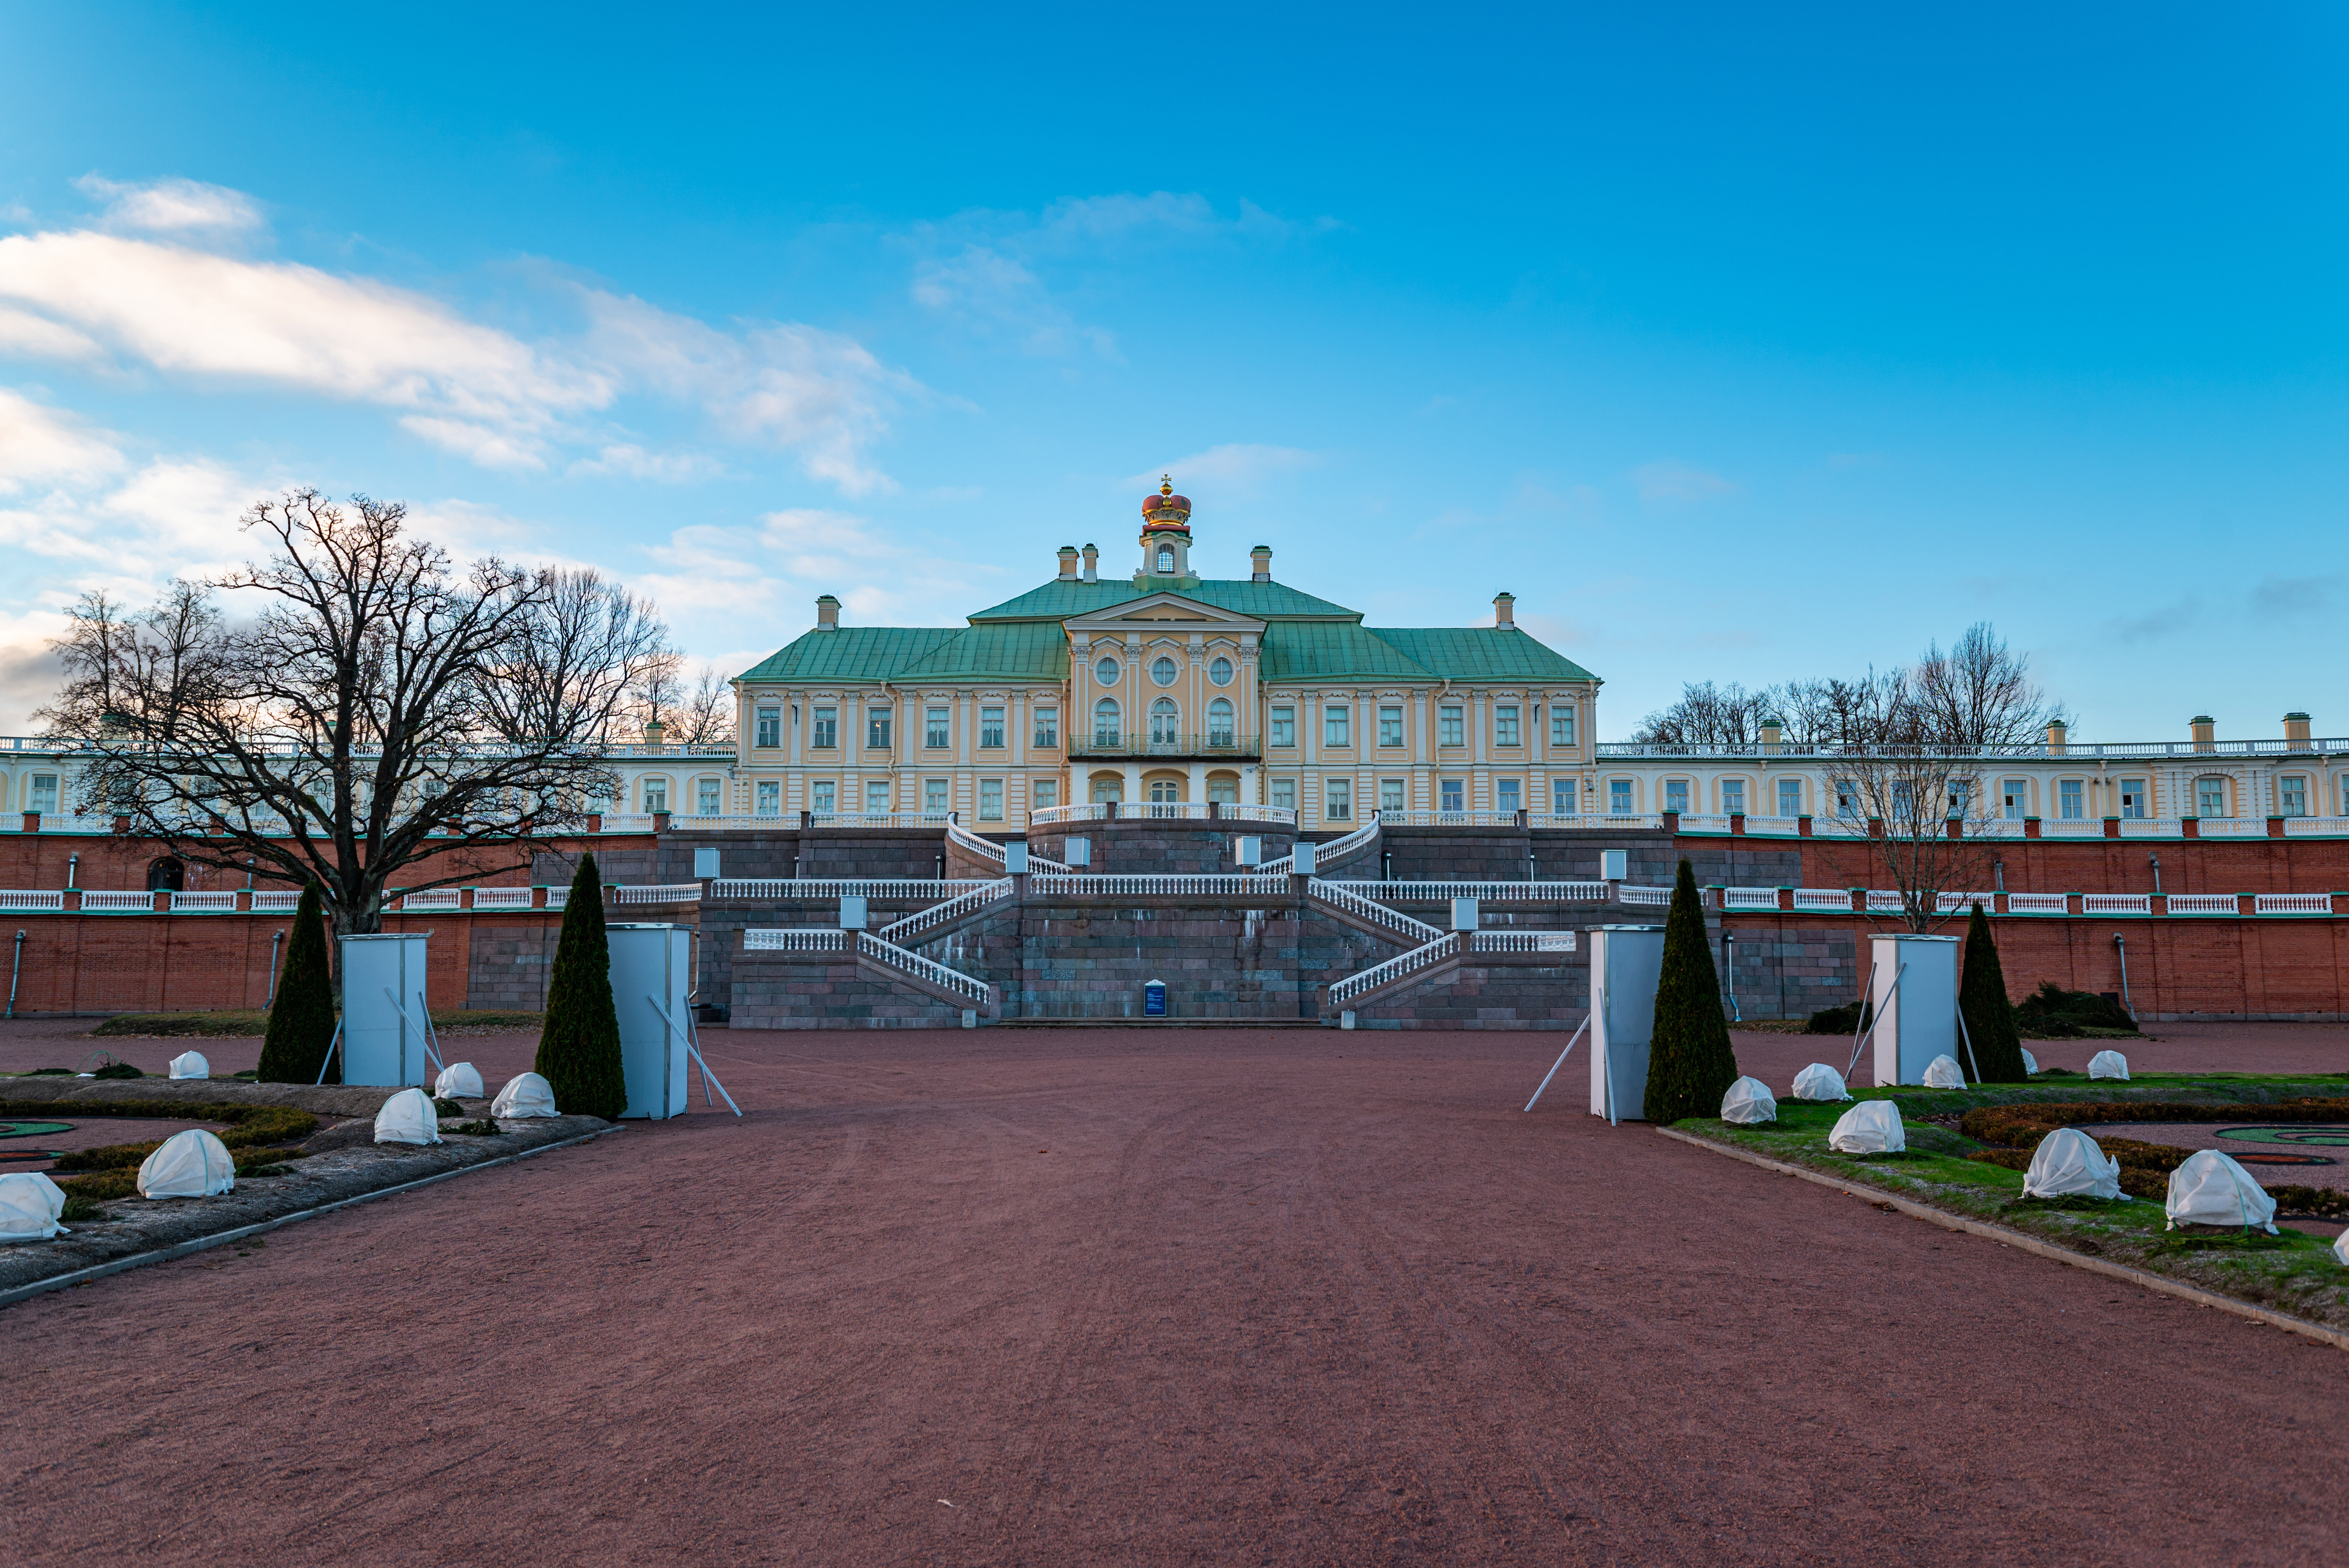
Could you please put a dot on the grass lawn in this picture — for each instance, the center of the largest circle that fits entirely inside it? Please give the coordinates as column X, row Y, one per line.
column 2289, row 1273
column 230, row 1022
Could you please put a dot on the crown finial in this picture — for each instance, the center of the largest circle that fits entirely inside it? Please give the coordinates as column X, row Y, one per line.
column 1166, row 484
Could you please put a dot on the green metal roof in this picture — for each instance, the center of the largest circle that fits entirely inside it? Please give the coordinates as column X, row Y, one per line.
column 850, row 653
column 1058, row 600
column 1332, row 650
column 1481, row 654
column 1008, row 650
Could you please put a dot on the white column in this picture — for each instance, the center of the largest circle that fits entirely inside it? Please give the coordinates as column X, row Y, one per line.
column 1308, row 704
column 1476, row 717
column 1015, row 714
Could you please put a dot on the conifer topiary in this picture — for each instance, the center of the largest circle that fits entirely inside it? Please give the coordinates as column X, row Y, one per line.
column 1691, row 1063
column 579, row 1045
column 302, row 1014
column 1988, row 1016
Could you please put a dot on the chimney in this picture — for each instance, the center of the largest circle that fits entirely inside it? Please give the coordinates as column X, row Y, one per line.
column 2056, row 733
column 1260, row 559
column 1093, row 567
column 1774, row 731
column 2206, row 732
column 1505, row 610
column 827, row 614
column 2295, row 729
column 1068, row 564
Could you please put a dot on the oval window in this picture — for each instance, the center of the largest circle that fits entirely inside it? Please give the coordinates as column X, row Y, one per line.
column 1162, row 672
column 1220, row 672
column 1105, row 672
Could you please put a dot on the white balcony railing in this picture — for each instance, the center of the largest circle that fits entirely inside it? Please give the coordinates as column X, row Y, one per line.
column 881, row 819
column 1957, row 902
column 2072, row 827
column 1275, row 816
column 889, row 888
column 1484, row 891
column 1326, row 855
column 93, row 903
column 2292, row 904
column 1773, row 826
column 1521, row 942
column 1703, row 822
column 669, row 893
column 501, row 897
column 1821, row 899
column 729, row 823
column 1064, row 885
column 558, row 897
column 791, row 939
column 1395, row 968
column 2203, row 903
column 1883, row 901
column 1449, row 818
column 203, row 904
column 628, row 822
column 977, row 993
column 1371, row 911
column 2117, row 904
column 2233, row 827
column 2038, row 904
column 31, row 899
column 434, row 898
column 2151, row 827
column 277, row 900
column 938, row 914
column 2316, row 827
column 1749, row 898
column 1995, row 828
column 1646, row 897
column 1052, row 815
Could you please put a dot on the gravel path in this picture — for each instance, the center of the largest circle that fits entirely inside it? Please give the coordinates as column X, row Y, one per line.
column 1093, row 1298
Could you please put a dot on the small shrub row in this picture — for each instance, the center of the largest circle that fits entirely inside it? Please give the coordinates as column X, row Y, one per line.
column 480, row 1128
column 2053, row 1013
column 252, row 1125
column 2023, row 1126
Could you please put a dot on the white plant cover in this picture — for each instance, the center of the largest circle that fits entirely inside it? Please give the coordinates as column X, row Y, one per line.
column 2030, row 1063
column 2341, row 1247
column 2109, row 1065
column 1871, row 1127
column 408, row 1116
column 458, row 1081
column 525, row 1094
column 2068, row 1163
column 189, row 1065
column 1749, row 1100
column 1820, row 1081
column 1943, row 1072
column 29, row 1206
column 191, row 1164
column 2211, row 1189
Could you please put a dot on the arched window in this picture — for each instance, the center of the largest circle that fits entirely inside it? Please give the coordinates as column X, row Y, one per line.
column 1219, row 722
column 166, row 873
column 1162, row 671
column 1105, row 725
column 1166, row 790
column 1164, row 723
column 1220, row 671
column 1165, row 560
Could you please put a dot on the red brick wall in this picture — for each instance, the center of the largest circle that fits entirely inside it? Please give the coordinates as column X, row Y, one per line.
column 2118, row 865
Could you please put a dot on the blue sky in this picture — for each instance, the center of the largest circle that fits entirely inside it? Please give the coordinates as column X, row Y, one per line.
column 1736, row 347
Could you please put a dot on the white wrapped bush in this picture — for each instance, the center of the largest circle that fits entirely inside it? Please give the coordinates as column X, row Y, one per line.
column 191, row 1064
column 1749, row 1100
column 2068, row 1163
column 2030, row 1063
column 408, row 1116
column 1943, row 1072
column 29, row 1206
column 458, row 1081
column 1871, row 1127
column 191, row 1164
column 525, row 1094
column 2211, row 1188
column 1820, row 1082
column 2109, row 1065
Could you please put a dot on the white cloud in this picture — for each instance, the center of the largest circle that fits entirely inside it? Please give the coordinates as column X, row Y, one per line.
column 625, row 459
column 42, row 446
column 1669, row 483
column 982, row 289
column 174, row 206
column 1236, row 468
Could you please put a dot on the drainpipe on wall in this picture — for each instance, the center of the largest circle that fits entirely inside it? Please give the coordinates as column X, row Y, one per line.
column 72, row 862
column 1729, row 975
column 271, row 1002
column 1998, row 873
column 2122, row 948
column 15, row 967
column 2156, row 872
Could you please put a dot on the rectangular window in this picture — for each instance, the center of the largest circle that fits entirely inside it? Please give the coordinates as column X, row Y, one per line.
column 1284, row 794
column 1337, row 726
column 1389, row 726
column 1676, row 796
column 655, row 794
column 2069, row 805
column 1223, row 790
column 877, row 796
column 2210, row 797
column 990, row 726
column 1505, row 725
column 822, row 800
column 1733, row 797
column 2134, row 802
column 1962, row 800
column 876, row 727
column 706, row 798
column 1508, row 796
column 1449, row 728
column 1561, row 796
column 2014, row 799
column 1338, row 800
column 1847, row 798
column 1389, row 794
column 1618, row 796
column 1048, row 727
column 824, row 728
column 935, row 731
column 1451, row 796
column 44, row 797
column 770, row 727
column 769, row 795
column 934, row 795
column 1790, row 797
column 2293, row 792
column 1904, row 801
column 1043, row 793
column 990, row 799
column 1561, row 725
column 1284, row 726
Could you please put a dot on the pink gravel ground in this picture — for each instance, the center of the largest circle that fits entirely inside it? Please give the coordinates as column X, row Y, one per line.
column 1134, row 1297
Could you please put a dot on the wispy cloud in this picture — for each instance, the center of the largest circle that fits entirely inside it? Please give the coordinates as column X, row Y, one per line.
column 2167, row 621
column 1235, row 467
column 2295, row 596
column 41, row 446
column 1668, row 483
column 174, row 206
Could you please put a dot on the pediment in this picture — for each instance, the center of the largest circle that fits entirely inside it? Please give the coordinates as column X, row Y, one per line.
column 1158, row 609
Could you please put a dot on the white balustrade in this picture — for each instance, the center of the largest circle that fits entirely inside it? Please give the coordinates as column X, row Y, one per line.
column 117, row 902
column 502, row 898
column 955, row 907
column 203, row 904
column 2233, row 827
column 1749, row 898
column 2202, row 903
column 975, row 992
column 2292, row 904
column 1953, row 903
column 1049, row 815
column 881, row 819
column 1329, row 855
column 1279, row 816
column 1064, row 885
column 1485, row 892
column 671, row 892
column 1521, row 942
column 20, row 898
column 1395, row 968
column 833, row 887
column 2117, row 904
column 2071, row 828
column 558, row 897
column 793, row 939
column 434, row 898
column 2316, row 827
column 1370, row 910
column 2151, row 827
column 1995, row 828
column 1886, row 901
column 1703, row 822
column 733, row 823
column 2038, row 904
column 1646, row 897
column 1817, row 899
column 628, row 823
column 1773, row 826
column 277, row 900
column 1449, row 818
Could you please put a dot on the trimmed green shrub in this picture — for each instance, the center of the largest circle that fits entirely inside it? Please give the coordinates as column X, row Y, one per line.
column 579, row 1049
column 1988, row 1016
column 117, row 1070
column 1691, row 1063
column 2057, row 1014
column 302, row 1016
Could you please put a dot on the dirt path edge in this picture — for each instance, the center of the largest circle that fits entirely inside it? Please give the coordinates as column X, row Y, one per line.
column 181, row 1249
column 2001, row 1234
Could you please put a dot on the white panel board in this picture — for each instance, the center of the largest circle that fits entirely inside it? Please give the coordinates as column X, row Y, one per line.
column 651, row 977
column 383, row 1038
column 1626, row 961
column 1917, row 1019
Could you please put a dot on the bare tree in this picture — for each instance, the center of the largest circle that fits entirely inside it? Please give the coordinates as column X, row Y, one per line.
column 1980, row 694
column 1834, row 712
column 706, row 717
column 376, row 712
column 1918, row 826
column 1706, row 715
